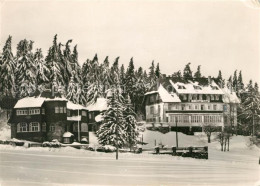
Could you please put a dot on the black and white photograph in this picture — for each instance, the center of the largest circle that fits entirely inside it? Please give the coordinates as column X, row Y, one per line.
column 130, row 92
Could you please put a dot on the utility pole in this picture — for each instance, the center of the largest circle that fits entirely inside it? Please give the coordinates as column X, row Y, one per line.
column 116, row 128
column 176, row 131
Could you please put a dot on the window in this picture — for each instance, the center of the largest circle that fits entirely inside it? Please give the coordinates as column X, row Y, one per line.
column 197, row 87
column 43, row 127
column 189, row 107
column 212, row 97
column 151, row 110
column 202, row 107
column 84, row 113
column 209, row 107
column 196, row 107
column 66, row 140
column 184, row 97
column 65, row 109
column 84, row 127
column 68, row 113
column 182, row 107
column 57, row 110
column 90, row 115
column 52, row 128
column 34, row 127
column 196, row 119
column 22, row 127
column 151, row 99
column 159, row 109
column 217, row 97
column 200, row 97
column 61, row 109
column 34, row 111
column 224, row 108
column 43, row 110
column 214, row 107
column 21, row 112
column 75, row 127
column 194, row 97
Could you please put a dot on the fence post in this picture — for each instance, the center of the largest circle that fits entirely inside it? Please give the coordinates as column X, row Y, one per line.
column 190, row 150
column 157, row 150
column 173, row 150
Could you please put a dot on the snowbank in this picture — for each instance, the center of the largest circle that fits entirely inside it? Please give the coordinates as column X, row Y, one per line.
column 5, row 133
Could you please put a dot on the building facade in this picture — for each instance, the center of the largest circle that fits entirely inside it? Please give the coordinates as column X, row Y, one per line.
column 44, row 119
column 189, row 103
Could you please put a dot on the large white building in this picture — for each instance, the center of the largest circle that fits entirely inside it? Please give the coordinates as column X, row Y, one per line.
column 191, row 103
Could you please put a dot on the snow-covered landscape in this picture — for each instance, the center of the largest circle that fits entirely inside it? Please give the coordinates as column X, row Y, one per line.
column 70, row 166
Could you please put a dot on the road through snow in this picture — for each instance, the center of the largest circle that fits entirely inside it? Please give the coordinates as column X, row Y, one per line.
column 29, row 167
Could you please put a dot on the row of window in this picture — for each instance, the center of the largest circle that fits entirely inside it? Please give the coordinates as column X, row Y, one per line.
column 196, row 118
column 35, row 127
column 200, row 97
column 60, row 110
column 30, row 112
column 193, row 107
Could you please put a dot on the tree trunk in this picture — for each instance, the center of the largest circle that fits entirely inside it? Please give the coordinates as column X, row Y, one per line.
column 208, row 138
column 228, row 144
column 225, row 143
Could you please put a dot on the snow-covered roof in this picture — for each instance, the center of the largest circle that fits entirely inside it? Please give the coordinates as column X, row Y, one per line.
column 74, row 118
column 195, row 88
column 29, row 102
column 73, row 106
column 67, row 135
column 230, row 97
column 165, row 95
column 99, row 105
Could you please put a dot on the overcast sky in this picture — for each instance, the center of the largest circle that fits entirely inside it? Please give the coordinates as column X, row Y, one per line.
column 221, row 35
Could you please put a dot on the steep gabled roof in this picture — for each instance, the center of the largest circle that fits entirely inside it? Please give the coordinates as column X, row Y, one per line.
column 99, row 105
column 165, row 95
column 29, row 102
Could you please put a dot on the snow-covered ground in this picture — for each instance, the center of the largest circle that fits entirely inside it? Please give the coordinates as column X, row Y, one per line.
column 69, row 166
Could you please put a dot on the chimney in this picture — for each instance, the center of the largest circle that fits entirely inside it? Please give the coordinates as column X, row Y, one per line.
column 163, row 76
column 209, row 80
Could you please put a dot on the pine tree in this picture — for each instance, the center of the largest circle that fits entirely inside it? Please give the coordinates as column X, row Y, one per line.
column 122, row 75
column 72, row 90
column 198, row 73
column 130, row 80
column 130, row 124
column 229, row 83
column 157, row 71
column 41, row 68
column 54, row 63
column 112, row 131
column 256, row 88
column 115, row 71
column 234, row 83
column 25, row 72
column 177, row 74
column 240, row 83
column 251, row 108
column 187, row 73
column 221, row 81
column 95, row 86
column 152, row 76
column 7, row 68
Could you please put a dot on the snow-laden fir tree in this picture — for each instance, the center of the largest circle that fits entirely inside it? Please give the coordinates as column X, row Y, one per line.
column 25, row 71
column 72, row 90
column 95, row 86
column 157, row 71
column 130, row 81
column 234, row 83
column 112, row 131
column 54, row 63
column 42, row 70
column 221, row 81
column 198, row 73
column 152, row 76
column 187, row 73
column 131, row 132
column 240, row 84
column 251, row 108
column 7, row 77
column 114, row 71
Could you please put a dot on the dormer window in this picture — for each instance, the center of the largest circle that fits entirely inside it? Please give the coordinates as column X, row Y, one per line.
column 217, row 97
column 184, row 97
column 196, row 87
column 181, row 87
column 212, row 97
column 214, row 87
